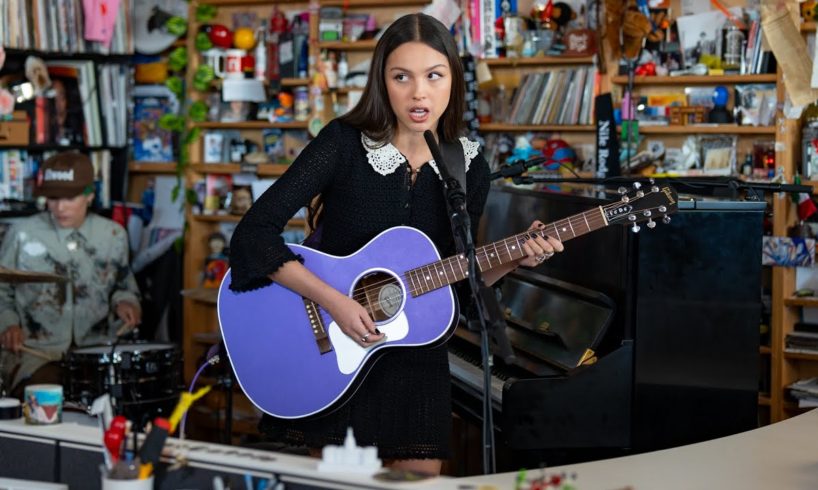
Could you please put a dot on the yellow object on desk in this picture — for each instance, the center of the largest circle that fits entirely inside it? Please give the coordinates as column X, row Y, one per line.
column 185, row 401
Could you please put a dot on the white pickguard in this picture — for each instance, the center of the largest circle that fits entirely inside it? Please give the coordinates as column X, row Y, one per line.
column 350, row 355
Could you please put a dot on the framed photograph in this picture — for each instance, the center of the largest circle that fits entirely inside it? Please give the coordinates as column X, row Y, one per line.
column 150, row 142
column 788, row 252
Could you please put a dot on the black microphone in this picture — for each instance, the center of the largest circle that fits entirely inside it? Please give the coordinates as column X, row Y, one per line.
column 456, row 196
column 516, row 169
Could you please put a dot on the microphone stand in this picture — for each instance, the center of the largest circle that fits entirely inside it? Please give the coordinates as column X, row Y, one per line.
column 491, row 318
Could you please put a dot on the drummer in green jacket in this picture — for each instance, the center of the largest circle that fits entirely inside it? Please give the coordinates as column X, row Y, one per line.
column 98, row 298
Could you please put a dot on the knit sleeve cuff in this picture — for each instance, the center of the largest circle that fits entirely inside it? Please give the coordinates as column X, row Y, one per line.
column 260, row 277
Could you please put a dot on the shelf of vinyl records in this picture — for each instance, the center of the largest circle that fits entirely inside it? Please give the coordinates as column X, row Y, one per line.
column 706, row 129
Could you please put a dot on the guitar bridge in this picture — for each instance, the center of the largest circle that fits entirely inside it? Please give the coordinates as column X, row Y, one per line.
column 317, row 326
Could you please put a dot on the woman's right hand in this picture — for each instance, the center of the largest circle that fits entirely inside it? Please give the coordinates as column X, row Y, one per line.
column 354, row 320
column 12, row 338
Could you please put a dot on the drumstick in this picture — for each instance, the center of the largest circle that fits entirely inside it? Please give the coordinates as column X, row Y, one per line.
column 36, row 353
column 124, row 329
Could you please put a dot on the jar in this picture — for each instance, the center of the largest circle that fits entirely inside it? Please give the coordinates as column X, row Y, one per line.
column 302, row 103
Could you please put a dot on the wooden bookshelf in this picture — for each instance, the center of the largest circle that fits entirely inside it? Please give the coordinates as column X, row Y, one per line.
column 207, row 338
column 538, row 61
column 152, row 167
column 364, row 45
column 353, row 4
column 511, row 128
column 707, row 129
column 765, row 350
column 763, row 400
column 800, row 356
column 246, row 3
column 235, row 218
column 202, row 295
column 251, row 125
column 264, row 169
column 294, row 82
column 697, row 80
column 806, row 301
column 808, row 27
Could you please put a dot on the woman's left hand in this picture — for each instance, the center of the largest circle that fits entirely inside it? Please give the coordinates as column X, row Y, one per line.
column 539, row 248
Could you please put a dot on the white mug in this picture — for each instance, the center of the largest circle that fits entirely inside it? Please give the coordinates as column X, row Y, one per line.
column 215, row 59
column 232, row 63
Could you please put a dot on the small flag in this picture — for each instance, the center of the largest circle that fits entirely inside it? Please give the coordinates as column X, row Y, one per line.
column 806, row 206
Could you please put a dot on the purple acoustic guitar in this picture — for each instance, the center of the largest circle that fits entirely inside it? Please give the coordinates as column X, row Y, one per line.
column 293, row 361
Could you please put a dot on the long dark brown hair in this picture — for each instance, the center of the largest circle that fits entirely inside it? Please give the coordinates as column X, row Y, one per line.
column 373, row 114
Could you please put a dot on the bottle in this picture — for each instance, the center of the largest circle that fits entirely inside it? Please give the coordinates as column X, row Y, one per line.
column 500, row 105
column 343, row 70
column 260, row 71
column 732, row 40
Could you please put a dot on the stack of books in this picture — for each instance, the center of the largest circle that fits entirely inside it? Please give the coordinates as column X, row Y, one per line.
column 803, row 339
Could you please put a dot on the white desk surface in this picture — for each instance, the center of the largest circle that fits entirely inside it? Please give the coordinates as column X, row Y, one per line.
column 782, row 455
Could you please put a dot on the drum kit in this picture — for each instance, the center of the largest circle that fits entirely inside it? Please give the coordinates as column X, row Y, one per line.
column 143, row 378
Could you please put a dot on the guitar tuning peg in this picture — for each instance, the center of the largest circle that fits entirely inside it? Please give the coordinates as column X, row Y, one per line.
column 622, row 191
column 666, row 220
column 647, row 213
column 631, row 217
column 652, row 180
column 626, row 199
column 640, row 194
column 651, row 224
column 654, row 188
column 635, row 228
column 662, row 209
column 637, row 185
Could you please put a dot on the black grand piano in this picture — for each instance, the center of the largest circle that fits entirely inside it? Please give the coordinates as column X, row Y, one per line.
column 625, row 342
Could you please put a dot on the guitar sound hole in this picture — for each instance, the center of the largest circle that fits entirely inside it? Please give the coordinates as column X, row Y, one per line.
column 381, row 294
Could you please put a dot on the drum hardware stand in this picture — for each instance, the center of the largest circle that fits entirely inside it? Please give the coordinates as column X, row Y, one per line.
column 491, row 319
column 227, row 383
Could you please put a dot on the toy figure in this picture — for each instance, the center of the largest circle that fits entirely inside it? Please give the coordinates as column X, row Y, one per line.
column 216, row 264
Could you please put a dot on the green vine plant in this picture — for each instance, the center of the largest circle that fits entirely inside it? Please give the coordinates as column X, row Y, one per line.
column 190, row 111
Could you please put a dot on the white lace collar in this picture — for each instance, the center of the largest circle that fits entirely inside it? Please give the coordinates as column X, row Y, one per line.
column 386, row 159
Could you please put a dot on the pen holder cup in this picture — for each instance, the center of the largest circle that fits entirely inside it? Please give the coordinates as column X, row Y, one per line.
column 145, row 484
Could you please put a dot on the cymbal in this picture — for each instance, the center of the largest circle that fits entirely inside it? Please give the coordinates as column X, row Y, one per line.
column 17, row 276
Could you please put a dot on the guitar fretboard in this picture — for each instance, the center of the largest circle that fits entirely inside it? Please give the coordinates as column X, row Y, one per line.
column 453, row 269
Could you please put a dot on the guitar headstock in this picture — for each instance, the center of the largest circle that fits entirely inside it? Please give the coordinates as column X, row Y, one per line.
column 650, row 204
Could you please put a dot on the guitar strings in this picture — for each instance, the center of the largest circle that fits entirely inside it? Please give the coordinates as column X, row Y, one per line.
column 482, row 253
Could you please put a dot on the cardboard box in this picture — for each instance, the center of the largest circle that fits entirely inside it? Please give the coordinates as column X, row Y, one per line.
column 15, row 131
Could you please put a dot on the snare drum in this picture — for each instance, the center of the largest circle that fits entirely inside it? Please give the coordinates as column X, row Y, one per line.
column 142, row 378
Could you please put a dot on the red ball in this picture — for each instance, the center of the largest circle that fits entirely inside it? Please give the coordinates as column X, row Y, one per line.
column 220, row 36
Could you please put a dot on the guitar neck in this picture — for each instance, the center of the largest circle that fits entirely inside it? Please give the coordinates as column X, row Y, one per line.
column 455, row 268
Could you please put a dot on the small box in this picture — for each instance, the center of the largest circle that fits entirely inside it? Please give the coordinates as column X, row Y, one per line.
column 14, row 132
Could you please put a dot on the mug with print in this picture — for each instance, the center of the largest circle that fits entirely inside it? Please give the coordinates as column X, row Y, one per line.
column 233, row 63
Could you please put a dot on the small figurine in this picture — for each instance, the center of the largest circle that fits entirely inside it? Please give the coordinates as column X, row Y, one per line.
column 216, row 264
column 37, row 74
column 719, row 113
column 242, row 199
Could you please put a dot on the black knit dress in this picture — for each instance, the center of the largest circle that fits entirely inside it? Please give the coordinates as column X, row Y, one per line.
column 404, row 404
